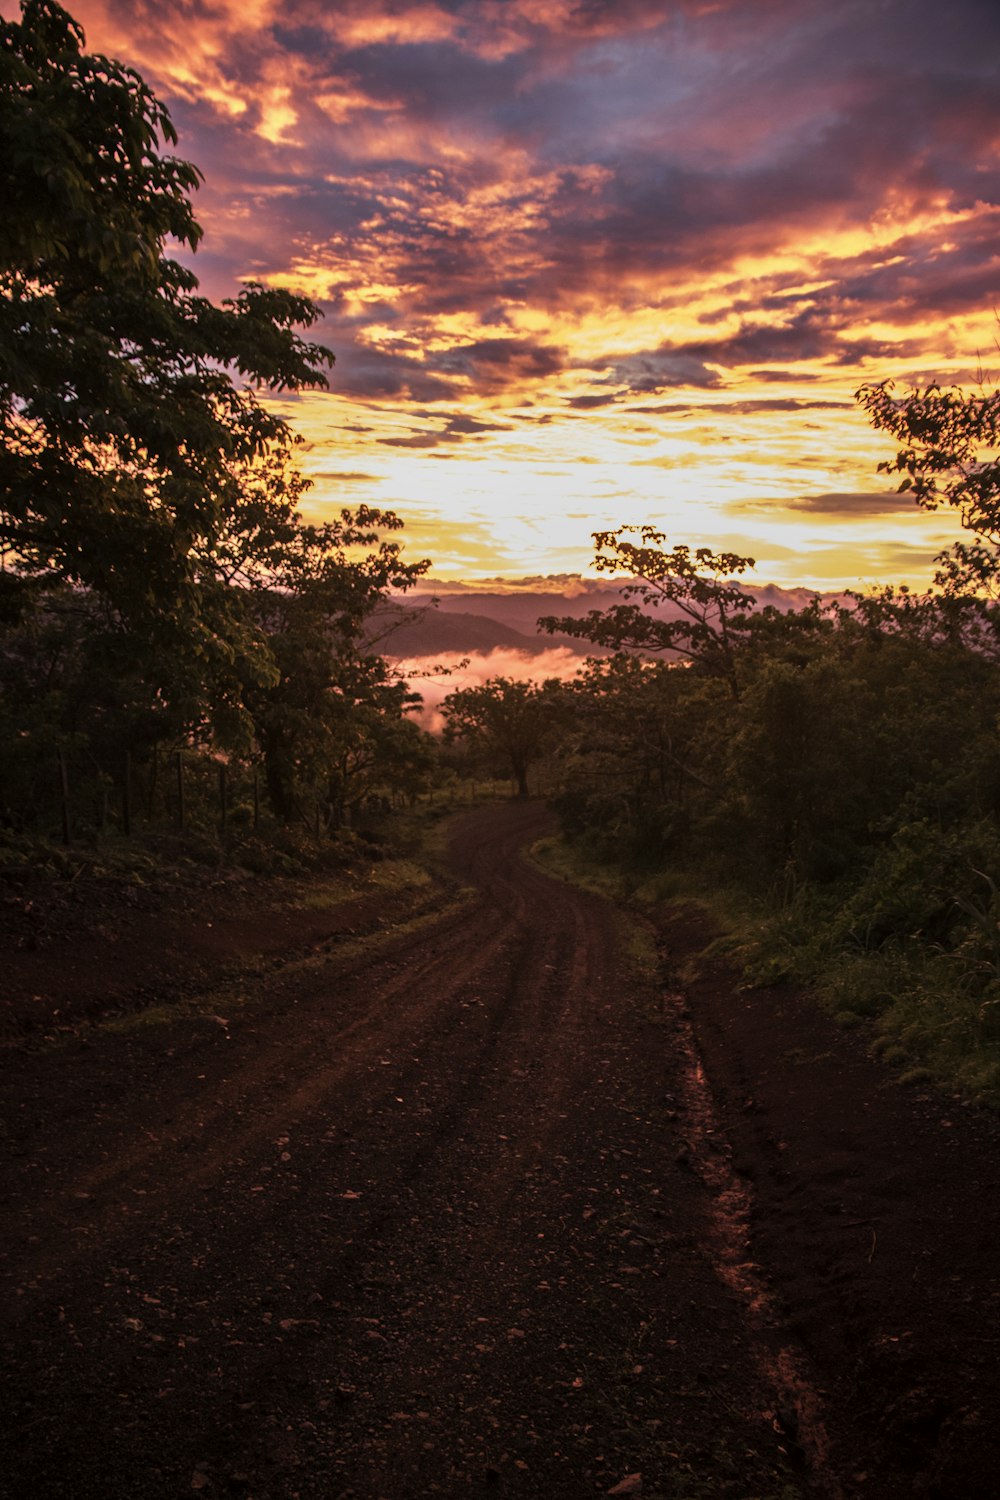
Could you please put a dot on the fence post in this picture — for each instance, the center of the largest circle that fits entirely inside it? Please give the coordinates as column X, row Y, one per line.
column 64, row 799
column 179, row 759
column 256, row 798
column 222, row 794
column 127, row 795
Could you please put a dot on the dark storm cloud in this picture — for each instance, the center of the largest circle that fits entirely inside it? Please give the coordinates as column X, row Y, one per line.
column 930, row 277
column 590, row 403
column 466, row 426
column 489, row 365
column 481, row 158
column 783, row 377
column 856, row 504
column 369, row 373
column 346, row 476
column 414, row 440
column 660, row 369
column 810, row 335
column 455, row 429
column 753, row 407
column 863, row 138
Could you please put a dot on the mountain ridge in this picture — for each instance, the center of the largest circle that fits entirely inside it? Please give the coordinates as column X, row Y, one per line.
column 471, row 621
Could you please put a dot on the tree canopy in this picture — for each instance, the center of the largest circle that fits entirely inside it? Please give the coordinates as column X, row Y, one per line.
column 948, row 455
column 130, row 454
column 512, row 718
column 704, row 608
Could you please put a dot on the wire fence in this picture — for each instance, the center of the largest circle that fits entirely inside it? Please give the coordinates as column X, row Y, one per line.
column 75, row 798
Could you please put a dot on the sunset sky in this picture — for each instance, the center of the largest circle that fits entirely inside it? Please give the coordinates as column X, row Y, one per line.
column 586, row 262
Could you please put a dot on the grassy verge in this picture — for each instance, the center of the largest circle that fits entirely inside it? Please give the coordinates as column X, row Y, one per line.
column 223, row 1000
column 428, row 897
column 931, row 1013
column 118, row 901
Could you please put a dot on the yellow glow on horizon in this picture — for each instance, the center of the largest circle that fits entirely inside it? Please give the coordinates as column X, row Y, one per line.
column 528, row 500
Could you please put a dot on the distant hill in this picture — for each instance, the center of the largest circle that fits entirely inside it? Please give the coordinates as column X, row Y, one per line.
column 450, row 629
column 467, row 622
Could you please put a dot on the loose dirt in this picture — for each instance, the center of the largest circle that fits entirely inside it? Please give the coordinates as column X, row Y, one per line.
column 484, row 1207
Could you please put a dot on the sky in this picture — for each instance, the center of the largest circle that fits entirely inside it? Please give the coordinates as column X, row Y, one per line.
column 586, row 263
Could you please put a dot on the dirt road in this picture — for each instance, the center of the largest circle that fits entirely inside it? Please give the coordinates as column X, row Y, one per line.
column 458, row 1220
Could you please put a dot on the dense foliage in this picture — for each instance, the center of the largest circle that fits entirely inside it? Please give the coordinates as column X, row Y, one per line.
column 159, row 589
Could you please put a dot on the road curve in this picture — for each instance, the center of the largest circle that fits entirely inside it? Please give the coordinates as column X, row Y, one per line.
column 428, row 1226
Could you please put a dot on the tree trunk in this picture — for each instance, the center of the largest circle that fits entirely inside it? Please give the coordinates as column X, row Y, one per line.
column 278, row 777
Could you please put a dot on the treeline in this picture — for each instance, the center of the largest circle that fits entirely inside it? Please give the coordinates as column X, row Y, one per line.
column 852, row 748
column 160, row 593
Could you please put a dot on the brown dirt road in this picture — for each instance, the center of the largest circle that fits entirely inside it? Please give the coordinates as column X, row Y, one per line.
column 464, row 1219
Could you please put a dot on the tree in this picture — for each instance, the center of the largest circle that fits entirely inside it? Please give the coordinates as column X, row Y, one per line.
column 513, row 718
column 315, row 717
column 631, row 764
column 157, row 581
column 948, row 456
column 704, row 610
column 129, row 453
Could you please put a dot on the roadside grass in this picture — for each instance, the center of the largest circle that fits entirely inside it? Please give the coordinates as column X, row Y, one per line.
column 165, row 862
column 402, row 862
column 568, row 861
column 422, row 832
column 928, row 1021
column 930, row 1012
column 166, row 859
column 386, row 876
column 398, row 849
column 228, row 997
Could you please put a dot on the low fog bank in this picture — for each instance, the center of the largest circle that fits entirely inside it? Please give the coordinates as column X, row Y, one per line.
column 433, row 677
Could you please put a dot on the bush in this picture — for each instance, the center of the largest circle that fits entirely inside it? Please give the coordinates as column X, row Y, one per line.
column 921, row 884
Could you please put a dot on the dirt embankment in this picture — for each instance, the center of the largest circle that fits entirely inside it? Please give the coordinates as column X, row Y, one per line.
column 876, row 1211
column 463, row 1214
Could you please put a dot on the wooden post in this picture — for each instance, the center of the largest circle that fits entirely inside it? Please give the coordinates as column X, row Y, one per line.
column 179, row 763
column 154, row 777
column 127, row 795
column 222, row 795
column 256, row 797
column 64, row 798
